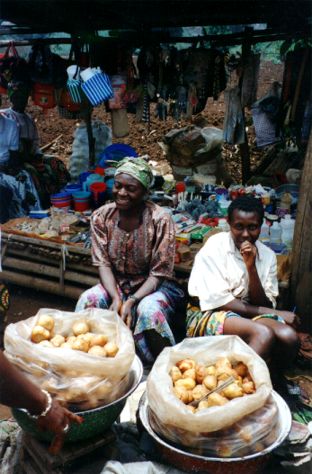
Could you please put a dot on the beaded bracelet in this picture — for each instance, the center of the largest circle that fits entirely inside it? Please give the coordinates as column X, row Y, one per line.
column 47, row 408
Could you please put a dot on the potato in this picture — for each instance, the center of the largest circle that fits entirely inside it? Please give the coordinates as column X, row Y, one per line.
column 233, row 391
column 223, row 362
column 210, row 382
column 248, row 387
column 87, row 336
column 39, row 333
column 215, row 399
column 58, row 340
column 70, row 340
column 190, row 408
column 186, row 364
column 241, row 369
column 190, row 373
column 184, row 395
column 111, row 349
column 80, row 345
column 46, row 322
column 98, row 340
column 45, row 343
column 199, row 391
column 188, row 383
column 175, row 374
column 97, row 351
column 66, row 345
column 80, row 327
column 203, row 405
column 210, row 370
column 200, row 373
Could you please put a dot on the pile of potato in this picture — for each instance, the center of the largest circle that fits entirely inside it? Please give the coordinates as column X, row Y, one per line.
column 81, row 339
column 192, row 381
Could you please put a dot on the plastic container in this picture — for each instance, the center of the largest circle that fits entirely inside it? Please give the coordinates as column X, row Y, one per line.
column 81, row 201
column 264, row 236
column 72, row 188
column 288, row 227
column 223, row 225
column 92, row 178
column 116, row 152
column 61, row 199
column 83, row 176
column 275, row 233
column 98, row 191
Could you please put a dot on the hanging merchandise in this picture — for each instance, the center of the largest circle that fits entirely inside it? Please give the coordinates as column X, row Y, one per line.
column 234, row 123
column 43, row 95
column 74, row 83
column 250, row 79
column 265, row 114
column 119, row 88
column 46, row 67
column 96, row 85
column 146, row 106
column 12, row 67
column 66, row 107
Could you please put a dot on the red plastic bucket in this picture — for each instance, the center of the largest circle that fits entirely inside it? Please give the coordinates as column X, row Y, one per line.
column 98, row 192
column 81, row 201
column 44, row 95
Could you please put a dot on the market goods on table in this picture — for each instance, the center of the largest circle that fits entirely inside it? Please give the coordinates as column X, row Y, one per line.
column 82, row 358
column 240, row 420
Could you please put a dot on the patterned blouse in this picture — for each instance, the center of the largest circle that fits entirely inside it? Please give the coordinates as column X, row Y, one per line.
column 136, row 255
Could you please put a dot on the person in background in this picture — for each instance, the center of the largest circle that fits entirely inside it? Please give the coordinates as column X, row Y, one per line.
column 49, row 174
column 133, row 244
column 17, row 391
column 18, row 194
column 235, row 279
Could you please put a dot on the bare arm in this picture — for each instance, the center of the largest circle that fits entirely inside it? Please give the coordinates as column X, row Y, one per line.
column 244, row 309
column 256, row 292
column 148, row 287
column 109, row 282
column 16, row 390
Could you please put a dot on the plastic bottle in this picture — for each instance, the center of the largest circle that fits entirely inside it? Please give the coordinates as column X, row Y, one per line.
column 223, row 225
column 288, row 227
column 264, row 236
column 275, row 233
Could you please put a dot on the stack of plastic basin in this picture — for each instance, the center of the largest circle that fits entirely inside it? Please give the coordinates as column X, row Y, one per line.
column 61, row 200
column 81, row 200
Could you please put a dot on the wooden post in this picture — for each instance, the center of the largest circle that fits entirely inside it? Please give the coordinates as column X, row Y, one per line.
column 301, row 275
column 244, row 147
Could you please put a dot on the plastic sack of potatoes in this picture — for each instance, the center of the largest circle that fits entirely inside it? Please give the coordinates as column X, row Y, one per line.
column 252, row 434
column 170, row 416
column 74, row 376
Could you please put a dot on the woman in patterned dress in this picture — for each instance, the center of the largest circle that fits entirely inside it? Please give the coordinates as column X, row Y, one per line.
column 133, row 244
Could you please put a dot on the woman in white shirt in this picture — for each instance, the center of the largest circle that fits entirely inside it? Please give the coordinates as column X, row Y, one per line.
column 235, row 279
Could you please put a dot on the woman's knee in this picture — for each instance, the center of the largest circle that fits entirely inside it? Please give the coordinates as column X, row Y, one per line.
column 264, row 335
column 288, row 336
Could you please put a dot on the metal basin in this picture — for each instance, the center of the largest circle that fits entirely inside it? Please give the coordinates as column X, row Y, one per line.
column 96, row 421
column 189, row 462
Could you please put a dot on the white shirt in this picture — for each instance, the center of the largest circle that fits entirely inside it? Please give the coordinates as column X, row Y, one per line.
column 219, row 274
column 9, row 138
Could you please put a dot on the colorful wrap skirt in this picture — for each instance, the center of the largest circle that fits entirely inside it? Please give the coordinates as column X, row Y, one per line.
column 211, row 323
column 154, row 312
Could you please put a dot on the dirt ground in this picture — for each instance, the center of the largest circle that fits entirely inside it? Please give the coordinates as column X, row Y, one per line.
column 26, row 302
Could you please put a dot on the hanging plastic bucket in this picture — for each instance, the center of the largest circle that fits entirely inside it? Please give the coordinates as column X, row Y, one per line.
column 44, row 95
column 81, row 200
column 98, row 191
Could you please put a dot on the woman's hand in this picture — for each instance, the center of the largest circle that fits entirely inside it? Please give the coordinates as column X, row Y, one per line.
column 57, row 420
column 249, row 253
column 125, row 312
column 116, row 304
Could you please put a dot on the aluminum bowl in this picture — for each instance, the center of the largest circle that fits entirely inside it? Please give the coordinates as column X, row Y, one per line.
column 96, row 421
column 189, row 462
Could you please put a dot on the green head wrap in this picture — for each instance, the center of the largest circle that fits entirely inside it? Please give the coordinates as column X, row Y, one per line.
column 138, row 169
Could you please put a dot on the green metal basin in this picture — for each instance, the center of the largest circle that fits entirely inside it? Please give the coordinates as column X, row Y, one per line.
column 96, row 421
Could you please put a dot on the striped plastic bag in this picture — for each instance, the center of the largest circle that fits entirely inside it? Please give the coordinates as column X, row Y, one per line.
column 98, row 88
